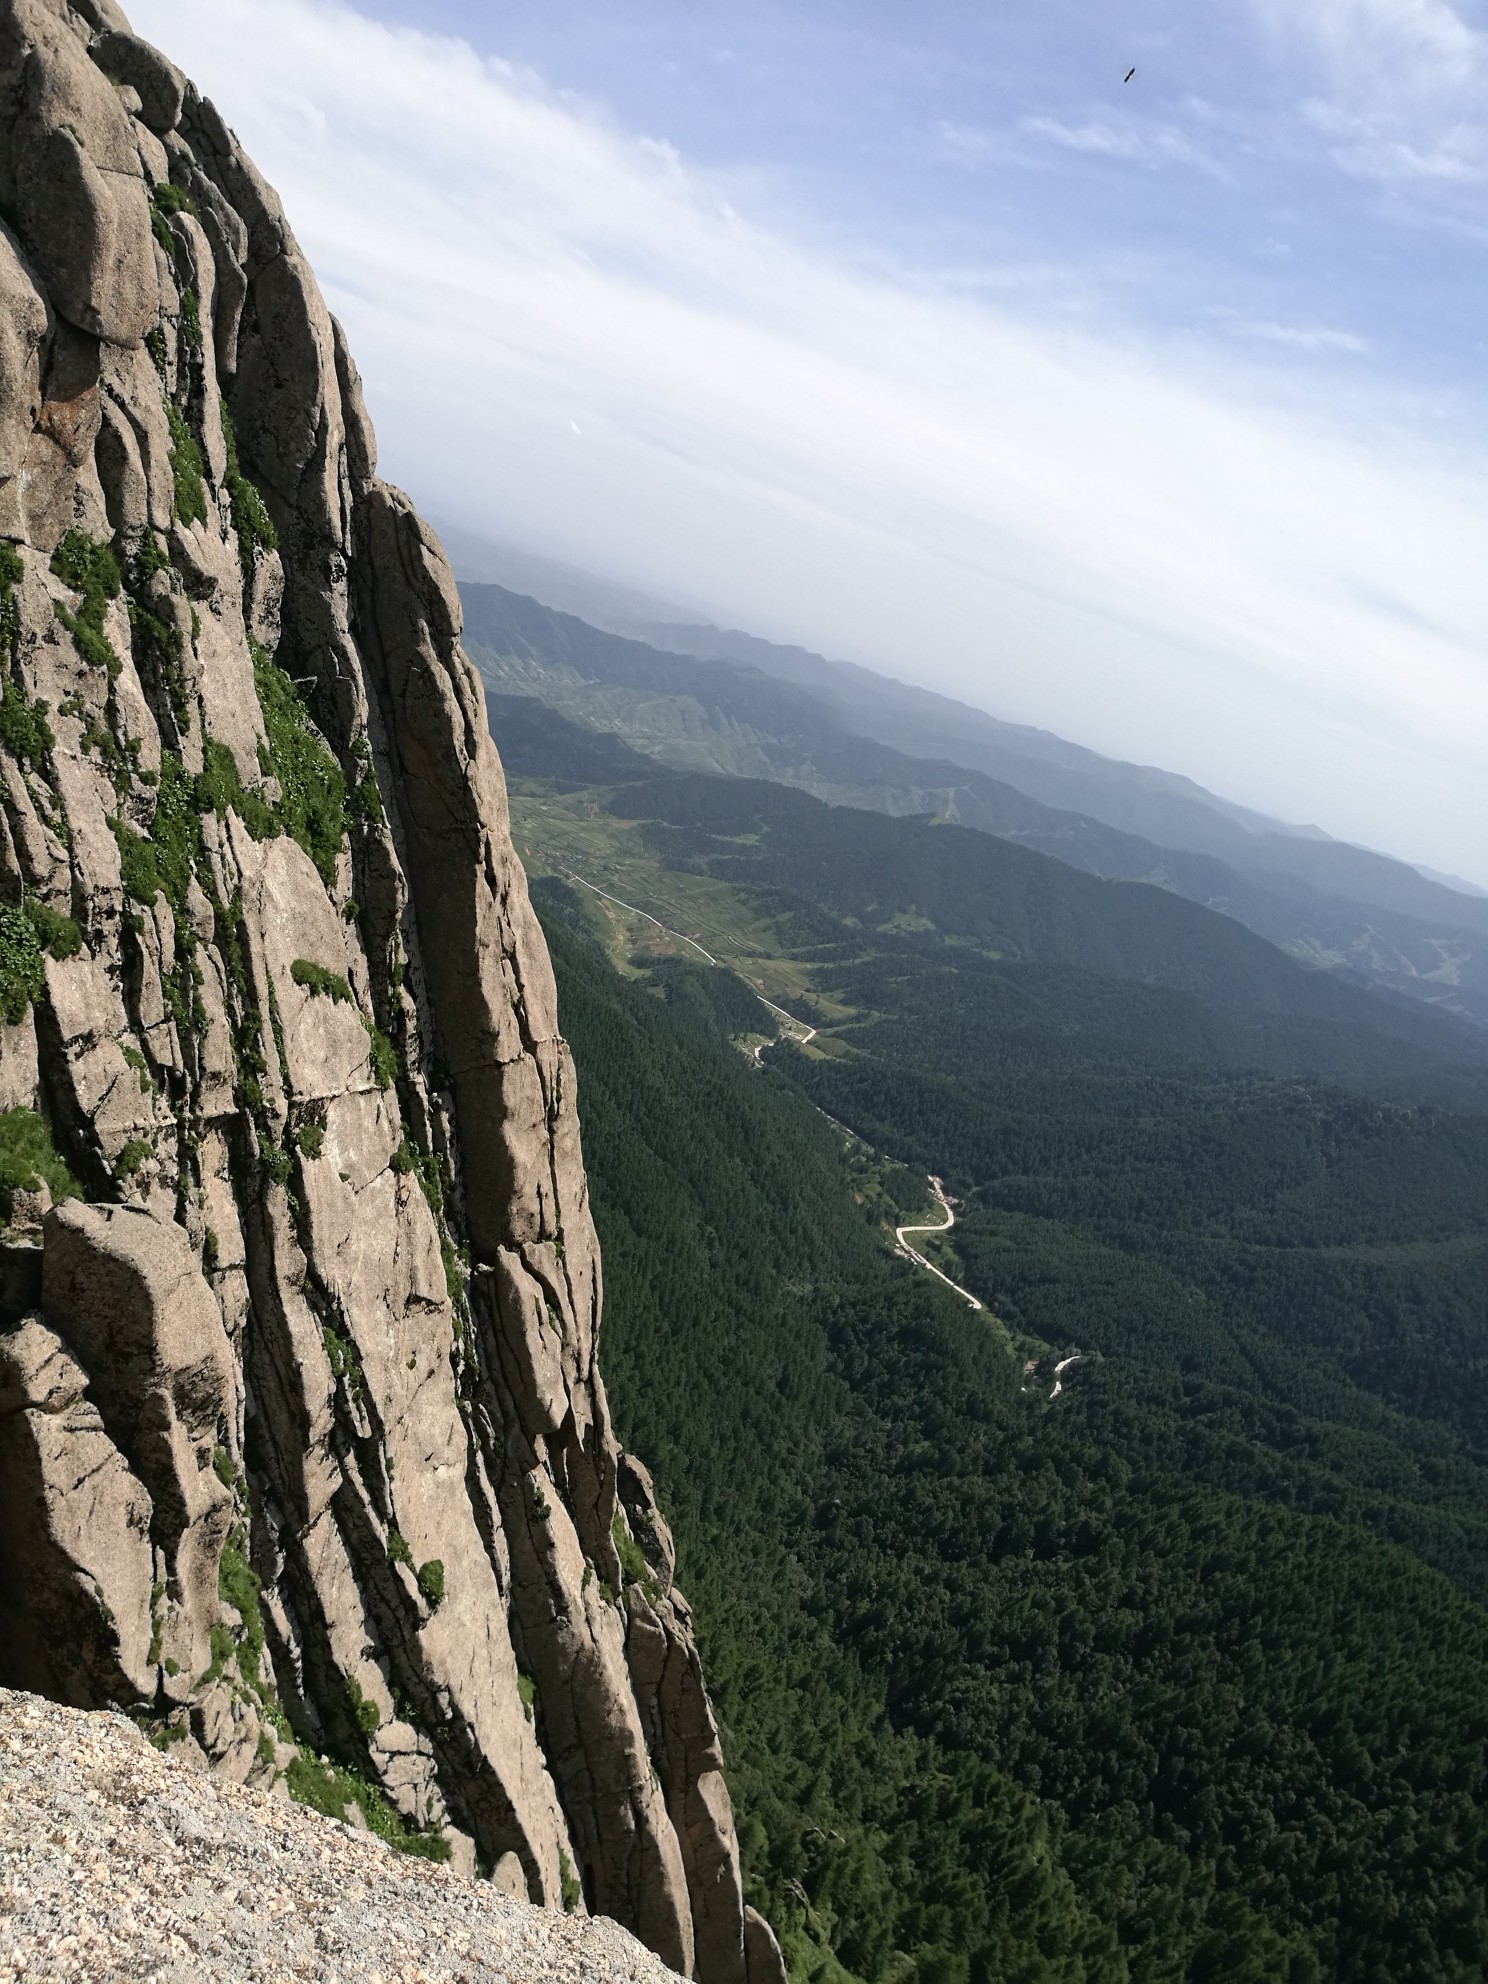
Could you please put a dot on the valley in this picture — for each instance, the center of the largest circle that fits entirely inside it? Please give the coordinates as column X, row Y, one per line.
column 1044, row 1671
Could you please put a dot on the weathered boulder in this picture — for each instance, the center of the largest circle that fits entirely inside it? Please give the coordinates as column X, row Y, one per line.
column 76, row 1567
column 125, row 1293
column 159, row 84
column 70, row 175
column 762, row 1959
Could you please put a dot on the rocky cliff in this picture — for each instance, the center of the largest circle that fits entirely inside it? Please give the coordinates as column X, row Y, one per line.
column 304, row 1451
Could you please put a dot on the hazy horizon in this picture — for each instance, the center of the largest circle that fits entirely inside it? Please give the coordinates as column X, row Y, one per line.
column 1147, row 414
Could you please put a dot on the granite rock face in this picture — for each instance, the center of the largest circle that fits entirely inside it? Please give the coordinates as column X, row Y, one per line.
column 302, row 1406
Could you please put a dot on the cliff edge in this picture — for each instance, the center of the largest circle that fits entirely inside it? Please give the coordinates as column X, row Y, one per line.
column 304, row 1451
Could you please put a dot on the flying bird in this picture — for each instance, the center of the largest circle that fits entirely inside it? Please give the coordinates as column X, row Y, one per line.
column 1128, row 76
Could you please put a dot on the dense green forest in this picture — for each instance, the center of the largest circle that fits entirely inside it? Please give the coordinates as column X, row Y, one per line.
column 1183, row 1674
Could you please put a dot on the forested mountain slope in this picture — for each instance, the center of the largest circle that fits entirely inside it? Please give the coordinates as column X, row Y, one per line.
column 1181, row 1674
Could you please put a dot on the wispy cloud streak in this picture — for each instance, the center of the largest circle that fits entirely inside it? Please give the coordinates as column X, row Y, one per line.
column 572, row 339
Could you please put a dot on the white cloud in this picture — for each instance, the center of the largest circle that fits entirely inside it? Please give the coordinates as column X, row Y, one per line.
column 1139, row 142
column 1305, row 337
column 1401, row 86
column 1166, row 564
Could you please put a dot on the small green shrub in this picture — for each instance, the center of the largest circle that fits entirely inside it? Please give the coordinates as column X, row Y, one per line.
column 527, row 1689
column 632, row 1560
column 311, row 1139
column 166, row 200
column 137, row 866
column 92, row 570
column 364, row 1713
column 431, row 1581
column 157, row 648
column 191, row 330
column 169, row 199
column 382, row 1054
column 224, row 1646
column 572, row 1892
column 321, row 983
column 367, row 800
column 175, row 830
column 343, row 1360
column 131, row 1157
column 187, row 470
column 162, row 861
column 24, row 730
column 238, row 1584
column 29, row 1158
column 329, row 1789
column 57, row 934
column 12, row 571
column 22, row 977
column 398, row 1551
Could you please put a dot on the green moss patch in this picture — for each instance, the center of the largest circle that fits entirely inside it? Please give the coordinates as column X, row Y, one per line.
column 321, row 983
column 219, row 787
column 24, row 730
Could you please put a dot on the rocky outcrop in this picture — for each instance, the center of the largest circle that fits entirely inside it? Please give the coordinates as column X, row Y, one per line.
column 303, row 1405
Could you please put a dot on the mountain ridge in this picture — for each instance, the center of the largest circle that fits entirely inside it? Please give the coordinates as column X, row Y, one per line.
column 725, row 716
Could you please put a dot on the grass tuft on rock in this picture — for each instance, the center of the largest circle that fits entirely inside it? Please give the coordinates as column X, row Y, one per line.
column 312, row 790
column 220, row 786
column 29, row 1158
column 250, row 514
column 22, row 977
column 330, row 1788
column 92, row 570
column 321, row 983
column 187, row 470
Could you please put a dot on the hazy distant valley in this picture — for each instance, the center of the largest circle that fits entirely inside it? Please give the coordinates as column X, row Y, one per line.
column 742, row 706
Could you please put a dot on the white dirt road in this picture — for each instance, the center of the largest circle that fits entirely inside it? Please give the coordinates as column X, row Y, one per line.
column 918, row 1258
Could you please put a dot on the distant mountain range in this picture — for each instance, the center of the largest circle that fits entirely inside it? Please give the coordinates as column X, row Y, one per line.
column 735, row 704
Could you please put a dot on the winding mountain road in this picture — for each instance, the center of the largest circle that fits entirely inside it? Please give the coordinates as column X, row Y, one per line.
column 918, row 1258
column 1059, row 1371
column 802, row 1034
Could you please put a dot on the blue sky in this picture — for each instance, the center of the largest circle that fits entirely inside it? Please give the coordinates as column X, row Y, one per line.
column 1318, row 187
column 1150, row 412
